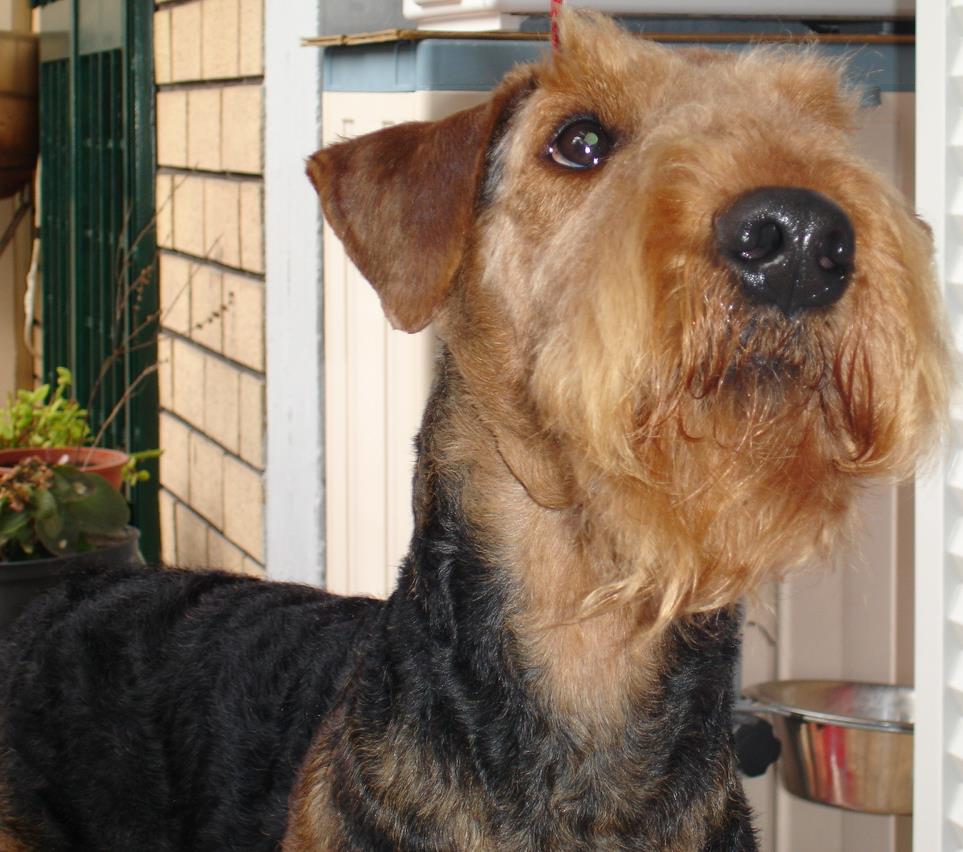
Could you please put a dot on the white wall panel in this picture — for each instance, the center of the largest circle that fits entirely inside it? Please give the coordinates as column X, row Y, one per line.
column 938, row 744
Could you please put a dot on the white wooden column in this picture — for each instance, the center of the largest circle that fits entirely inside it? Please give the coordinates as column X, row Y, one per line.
column 295, row 491
column 938, row 768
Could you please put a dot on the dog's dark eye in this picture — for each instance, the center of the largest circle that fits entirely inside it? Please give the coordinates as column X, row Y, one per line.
column 582, row 144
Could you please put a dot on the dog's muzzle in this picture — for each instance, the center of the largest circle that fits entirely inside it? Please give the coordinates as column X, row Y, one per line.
column 789, row 247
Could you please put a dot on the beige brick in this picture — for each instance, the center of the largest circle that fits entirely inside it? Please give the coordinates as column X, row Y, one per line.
column 165, row 211
column 186, row 42
column 221, row 400
column 252, row 38
column 243, row 128
column 222, row 554
column 252, row 568
column 244, row 321
column 168, row 529
column 207, row 308
column 191, row 538
column 204, row 129
column 244, row 507
column 252, row 420
column 189, row 215
column 175, row 460
column 162, row 46
column 165, row 370
column 175, row 292
column 221, row 39
column 172, row 128
column 222, row 233
column 189, row 369
column 252, row 227
column 207, row 479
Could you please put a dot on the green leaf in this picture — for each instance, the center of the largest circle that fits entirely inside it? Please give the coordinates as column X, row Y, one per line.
column 51, row 526
column 59, row 535
column 44, row 504
column 131, row 473
column 35, row 418
column 11, row 523
column 70, row 484
column 101, row 510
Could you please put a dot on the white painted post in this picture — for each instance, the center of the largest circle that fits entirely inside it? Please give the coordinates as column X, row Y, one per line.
column 295, row 491
column 937, row 811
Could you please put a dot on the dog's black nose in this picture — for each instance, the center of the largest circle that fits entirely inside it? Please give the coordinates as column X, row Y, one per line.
column 789, row 247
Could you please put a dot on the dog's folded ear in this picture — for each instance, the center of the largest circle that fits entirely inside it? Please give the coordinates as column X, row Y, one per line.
column 402, row 200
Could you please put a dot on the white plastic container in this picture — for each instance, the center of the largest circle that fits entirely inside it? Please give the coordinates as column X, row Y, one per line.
column 476, row 15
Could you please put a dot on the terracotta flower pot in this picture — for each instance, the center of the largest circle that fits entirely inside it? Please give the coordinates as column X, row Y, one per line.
column 19, row 124
column 107, row 463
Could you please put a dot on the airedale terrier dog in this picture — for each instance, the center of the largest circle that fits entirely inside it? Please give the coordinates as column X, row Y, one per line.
column 681, row 323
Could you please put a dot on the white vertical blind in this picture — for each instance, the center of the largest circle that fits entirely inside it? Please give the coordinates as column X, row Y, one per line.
column 938, row 770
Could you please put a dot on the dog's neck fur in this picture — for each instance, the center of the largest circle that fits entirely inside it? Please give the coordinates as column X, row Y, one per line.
column 547, row 775
column 548, row 556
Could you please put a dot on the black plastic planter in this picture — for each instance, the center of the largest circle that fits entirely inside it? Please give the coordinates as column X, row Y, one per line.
column 21, row 582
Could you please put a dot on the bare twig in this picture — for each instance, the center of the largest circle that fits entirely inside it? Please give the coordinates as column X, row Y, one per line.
column 128, row 393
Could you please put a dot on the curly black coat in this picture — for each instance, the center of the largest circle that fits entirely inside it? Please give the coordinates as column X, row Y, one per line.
column 171, row 710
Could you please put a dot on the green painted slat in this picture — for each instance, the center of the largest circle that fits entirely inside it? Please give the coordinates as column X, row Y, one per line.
column 140, row 173
column 54, row 225
column 97, row 238
column 100, row 203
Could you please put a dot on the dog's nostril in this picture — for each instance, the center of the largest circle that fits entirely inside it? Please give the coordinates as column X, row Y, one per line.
column 789, row 247
column 835, row 251
column 760, row 241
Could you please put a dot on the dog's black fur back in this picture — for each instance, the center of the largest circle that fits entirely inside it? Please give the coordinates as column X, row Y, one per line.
column 168, row 710
column 172, row 710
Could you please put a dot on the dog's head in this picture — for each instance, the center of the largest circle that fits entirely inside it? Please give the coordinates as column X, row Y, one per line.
column 692, row 308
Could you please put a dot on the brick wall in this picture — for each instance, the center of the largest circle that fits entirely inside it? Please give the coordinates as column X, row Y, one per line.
column 209, row 61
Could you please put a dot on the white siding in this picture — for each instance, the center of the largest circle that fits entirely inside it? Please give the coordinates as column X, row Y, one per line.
column 376, row 379
column 938, row 771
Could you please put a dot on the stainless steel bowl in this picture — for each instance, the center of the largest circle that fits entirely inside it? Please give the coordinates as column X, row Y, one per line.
column 844, row 744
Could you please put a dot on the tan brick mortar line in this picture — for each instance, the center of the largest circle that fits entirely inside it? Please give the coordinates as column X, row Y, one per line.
column 208, row 39
column 213, row 218
column 217, row 484
column 209, row 67
column 216, row 128
column 190, row 541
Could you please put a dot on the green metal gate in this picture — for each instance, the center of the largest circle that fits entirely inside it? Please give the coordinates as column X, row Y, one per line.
column 98, row 249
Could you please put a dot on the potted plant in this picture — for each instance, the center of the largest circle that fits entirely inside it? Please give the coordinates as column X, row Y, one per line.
column 55, row 519
column 48, row 424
